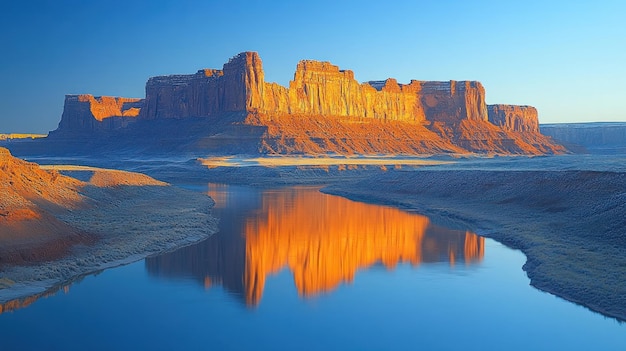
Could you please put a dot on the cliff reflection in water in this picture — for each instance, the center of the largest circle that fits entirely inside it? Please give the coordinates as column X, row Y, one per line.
column 322, row 239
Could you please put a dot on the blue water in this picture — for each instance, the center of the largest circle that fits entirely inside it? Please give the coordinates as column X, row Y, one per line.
column 198, row 297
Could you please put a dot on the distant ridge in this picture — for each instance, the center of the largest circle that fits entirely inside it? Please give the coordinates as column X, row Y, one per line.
column 592, row 137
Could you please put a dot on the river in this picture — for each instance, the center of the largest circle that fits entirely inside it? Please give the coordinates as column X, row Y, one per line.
column 295, row 269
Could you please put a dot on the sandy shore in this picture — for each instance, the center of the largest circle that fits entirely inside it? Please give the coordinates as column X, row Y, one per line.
column 568, row 221
column 570, row 224
column 123, row 217
column 342, row 162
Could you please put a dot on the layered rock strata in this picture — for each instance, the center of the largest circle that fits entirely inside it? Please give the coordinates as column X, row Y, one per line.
column 324, row 109
column 88, row 113
column 514, row 118
column 318, row 89
column 206, row 93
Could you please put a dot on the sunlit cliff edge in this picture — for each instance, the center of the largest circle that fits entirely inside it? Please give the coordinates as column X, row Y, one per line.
column 323, row 110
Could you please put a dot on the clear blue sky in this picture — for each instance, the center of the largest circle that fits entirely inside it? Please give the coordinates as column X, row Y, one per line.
column 567, row 58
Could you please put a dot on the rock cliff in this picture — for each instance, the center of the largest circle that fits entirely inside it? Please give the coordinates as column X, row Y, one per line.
column 324, row 109
column 209, row 92
column 322, row 89
column 88, row 113
column 318, row 89
column 514, row 118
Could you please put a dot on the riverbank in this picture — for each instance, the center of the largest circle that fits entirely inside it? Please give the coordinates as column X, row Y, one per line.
column 127, row 224
column 55, row 228
column 569, row 224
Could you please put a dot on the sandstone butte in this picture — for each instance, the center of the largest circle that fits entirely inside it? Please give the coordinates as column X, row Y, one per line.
column 323, row 110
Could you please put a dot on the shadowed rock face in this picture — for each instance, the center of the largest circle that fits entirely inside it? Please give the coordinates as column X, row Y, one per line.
column 90, row 113
column 206, row 93
column 324, row 109
column 514, row 117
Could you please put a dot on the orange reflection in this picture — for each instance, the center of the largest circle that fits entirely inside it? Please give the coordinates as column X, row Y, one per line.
column 324, row 240
column 16, row 304
column 219, row 194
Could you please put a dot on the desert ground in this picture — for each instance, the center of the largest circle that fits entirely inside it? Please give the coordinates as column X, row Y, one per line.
column 565, row 213
column 55, row 228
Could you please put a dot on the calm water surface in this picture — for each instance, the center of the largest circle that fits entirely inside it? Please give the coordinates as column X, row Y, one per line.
column 295, row 269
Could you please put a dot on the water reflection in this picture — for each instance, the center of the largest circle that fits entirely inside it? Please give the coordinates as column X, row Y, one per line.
column 17, row 304
column 323, row 240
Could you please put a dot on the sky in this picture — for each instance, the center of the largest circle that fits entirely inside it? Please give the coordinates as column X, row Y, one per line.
column 567, row 58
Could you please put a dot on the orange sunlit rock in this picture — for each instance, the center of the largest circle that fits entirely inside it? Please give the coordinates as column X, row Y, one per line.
column 102, row 107
column 324, row 109
column 514, row 118
column 88, row 113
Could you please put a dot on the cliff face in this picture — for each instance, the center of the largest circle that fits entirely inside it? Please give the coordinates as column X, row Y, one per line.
column 318, row 89
column 453, row 101
column 207, row 93
column 88, row 113
column 324, row 109
column 514, row 117
column 322, row 89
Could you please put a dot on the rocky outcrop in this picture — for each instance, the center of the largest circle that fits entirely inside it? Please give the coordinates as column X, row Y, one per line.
column 324, row 109
column 206, row 93
column 514, row 118
column 88, row 113
column 322, row 89
column 453, row 101
column 318, row 89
